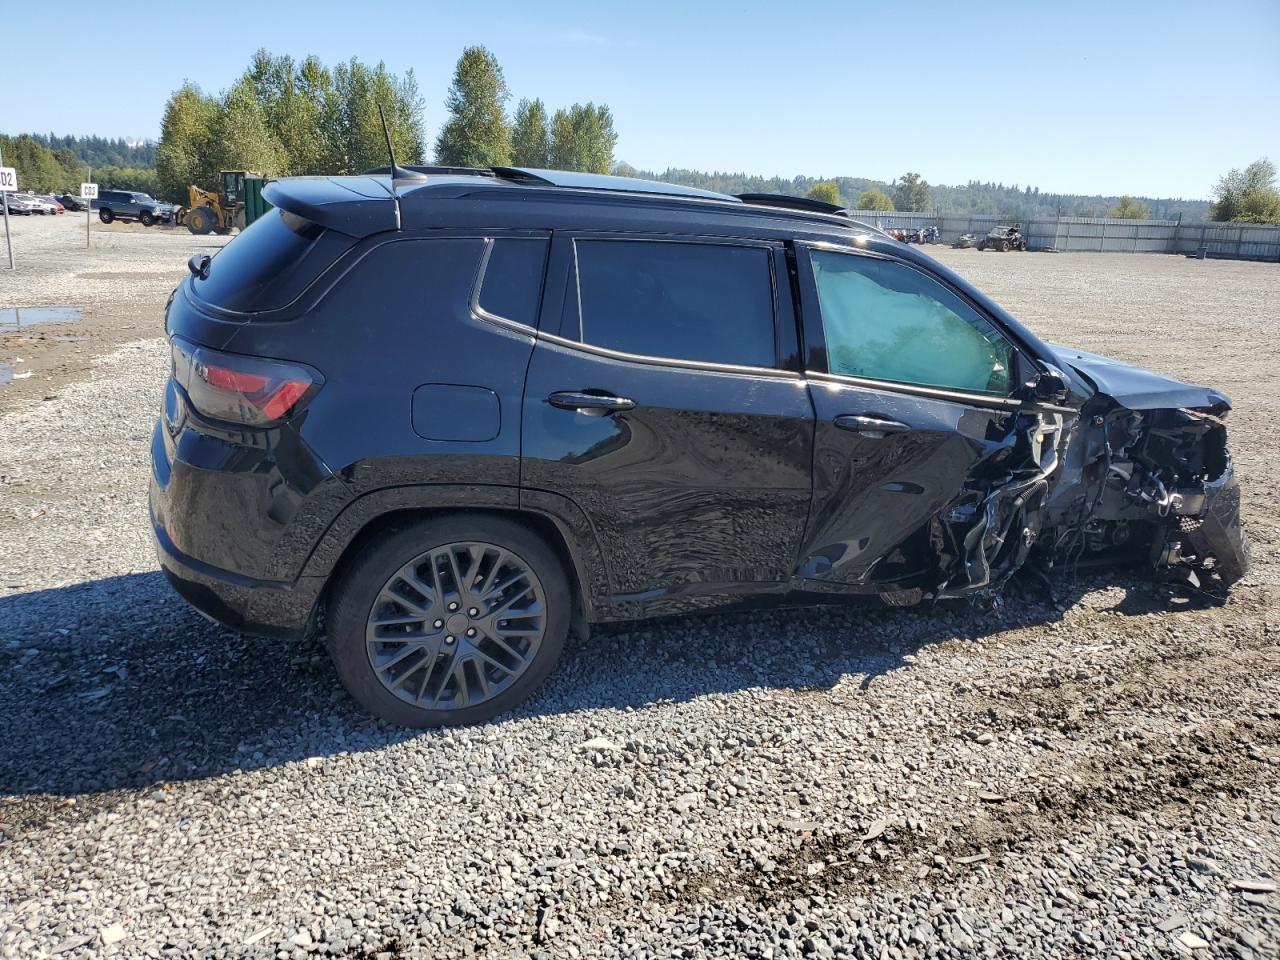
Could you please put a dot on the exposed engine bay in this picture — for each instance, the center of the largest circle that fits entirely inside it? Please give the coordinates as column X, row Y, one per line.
column 1124, row 483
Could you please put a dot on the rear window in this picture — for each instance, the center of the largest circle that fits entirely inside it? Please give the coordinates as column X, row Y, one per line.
column 268, row 265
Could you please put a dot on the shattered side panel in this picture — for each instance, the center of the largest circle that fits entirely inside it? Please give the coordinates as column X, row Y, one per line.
column 949, row 506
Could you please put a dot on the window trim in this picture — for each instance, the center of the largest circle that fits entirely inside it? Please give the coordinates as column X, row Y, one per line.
column 563, row 260
column 816, row 339
column 480, row 313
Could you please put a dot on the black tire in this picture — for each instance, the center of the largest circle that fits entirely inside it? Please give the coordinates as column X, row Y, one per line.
column 1004, row 246
column 361, row 589
column 105, row 215
column 982, row 244
column 146, row 219
column 201, row 220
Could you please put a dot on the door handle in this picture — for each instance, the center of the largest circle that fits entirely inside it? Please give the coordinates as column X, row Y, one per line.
column 873, row 427
column 595, row 403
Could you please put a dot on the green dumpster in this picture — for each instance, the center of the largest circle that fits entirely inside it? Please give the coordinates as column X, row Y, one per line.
column 254, row 204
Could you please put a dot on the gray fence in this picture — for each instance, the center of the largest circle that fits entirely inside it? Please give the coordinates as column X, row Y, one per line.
column 1237, row 241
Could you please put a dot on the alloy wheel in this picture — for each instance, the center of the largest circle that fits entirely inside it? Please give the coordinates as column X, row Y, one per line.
column 456, row 625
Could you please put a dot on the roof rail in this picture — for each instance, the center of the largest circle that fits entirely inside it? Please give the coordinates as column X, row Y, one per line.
column 793, row 203
column 523, row 176
column 437, row 171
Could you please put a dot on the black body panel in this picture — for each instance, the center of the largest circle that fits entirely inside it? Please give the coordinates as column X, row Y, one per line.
column 665, row 485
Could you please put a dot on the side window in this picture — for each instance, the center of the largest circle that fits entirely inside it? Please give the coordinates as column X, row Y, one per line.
column 886, row 321
column 684, row 301
column 512, row 284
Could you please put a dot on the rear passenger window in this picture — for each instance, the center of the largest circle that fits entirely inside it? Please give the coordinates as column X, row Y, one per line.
column 684, row 301
column 512, row 284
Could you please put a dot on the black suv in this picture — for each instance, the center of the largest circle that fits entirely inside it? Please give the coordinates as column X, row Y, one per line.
column 447, row 419
column 127, row 205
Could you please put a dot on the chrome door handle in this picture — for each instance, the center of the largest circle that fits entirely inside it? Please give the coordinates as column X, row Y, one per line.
column 873, row 427
column 594, row 402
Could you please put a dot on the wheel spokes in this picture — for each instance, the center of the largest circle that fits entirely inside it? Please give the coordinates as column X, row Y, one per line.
column 467, row 659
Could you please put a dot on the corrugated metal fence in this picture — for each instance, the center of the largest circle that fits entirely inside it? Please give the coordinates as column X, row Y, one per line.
column 1240, row 241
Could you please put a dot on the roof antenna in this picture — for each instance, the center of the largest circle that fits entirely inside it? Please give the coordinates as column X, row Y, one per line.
column 397, row 172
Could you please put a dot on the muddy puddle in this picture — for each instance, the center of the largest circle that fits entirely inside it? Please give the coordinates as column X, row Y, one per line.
column 19, row 318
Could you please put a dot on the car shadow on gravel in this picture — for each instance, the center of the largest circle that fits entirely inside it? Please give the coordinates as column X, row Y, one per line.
column 117, row 684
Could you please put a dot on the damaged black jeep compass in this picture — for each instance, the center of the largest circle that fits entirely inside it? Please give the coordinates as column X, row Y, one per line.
column 448, row 417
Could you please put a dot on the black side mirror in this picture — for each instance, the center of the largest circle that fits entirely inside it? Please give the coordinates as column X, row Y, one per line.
column 1046, row 387
column 199, row 265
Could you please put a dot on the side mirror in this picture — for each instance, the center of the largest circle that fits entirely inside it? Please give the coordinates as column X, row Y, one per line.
column 1046, row 387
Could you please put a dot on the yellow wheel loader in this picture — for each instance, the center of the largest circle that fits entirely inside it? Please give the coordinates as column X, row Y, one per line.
column 237, row 203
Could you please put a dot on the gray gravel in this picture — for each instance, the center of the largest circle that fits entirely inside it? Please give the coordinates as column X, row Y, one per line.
column 950, row 782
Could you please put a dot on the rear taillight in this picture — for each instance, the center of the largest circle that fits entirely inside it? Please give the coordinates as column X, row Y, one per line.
column 243, row 390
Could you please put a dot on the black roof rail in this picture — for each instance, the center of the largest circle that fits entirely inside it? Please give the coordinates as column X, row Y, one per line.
column 437, row 171
column 523, row 176
column 793, row 203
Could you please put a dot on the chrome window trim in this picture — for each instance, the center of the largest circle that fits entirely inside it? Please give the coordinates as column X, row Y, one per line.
column 919, row 390
column 703, row 365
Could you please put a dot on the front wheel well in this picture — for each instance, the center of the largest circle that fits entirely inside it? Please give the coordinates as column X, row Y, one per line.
column 539, row 524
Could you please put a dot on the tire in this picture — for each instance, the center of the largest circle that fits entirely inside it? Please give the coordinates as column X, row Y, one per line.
column 459, row 659
column 201, row 220
column 146, row 219
column 105, row 215
column 982, row 244
column 1004, row 246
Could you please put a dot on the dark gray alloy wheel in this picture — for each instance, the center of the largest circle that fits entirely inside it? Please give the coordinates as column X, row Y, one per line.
column 450, row 621
column 456, row 626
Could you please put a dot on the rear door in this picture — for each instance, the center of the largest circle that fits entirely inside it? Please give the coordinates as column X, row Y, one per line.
column 927, row 471
column 663, row 398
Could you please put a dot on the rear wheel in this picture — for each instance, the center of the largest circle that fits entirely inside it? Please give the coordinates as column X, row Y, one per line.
column 1004, row 246
column 105, row 215
column 982, row 244
column 449, row 621
column 201, row 220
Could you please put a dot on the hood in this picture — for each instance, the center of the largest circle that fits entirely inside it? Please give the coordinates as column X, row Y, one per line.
column 1134, row 387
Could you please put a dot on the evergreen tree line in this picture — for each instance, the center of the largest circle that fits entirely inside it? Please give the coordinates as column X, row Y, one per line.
column 285, row 118
column 910, row 193
column 61, row 169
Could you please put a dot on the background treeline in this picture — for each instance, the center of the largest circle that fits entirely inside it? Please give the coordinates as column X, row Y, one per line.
column 289, row 118
column 975, row 197
column 52, row 164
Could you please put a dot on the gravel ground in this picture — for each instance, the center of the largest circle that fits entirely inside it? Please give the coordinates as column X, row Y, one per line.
column 1096, row 780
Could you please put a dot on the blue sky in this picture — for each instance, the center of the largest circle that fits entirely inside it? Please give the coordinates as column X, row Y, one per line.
column 1155, row 98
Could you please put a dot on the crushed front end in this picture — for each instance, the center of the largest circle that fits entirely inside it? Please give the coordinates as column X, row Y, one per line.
column 1154, row 484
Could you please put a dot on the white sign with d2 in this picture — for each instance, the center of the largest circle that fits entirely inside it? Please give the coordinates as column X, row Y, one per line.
column 8, row 179
column 88, row 191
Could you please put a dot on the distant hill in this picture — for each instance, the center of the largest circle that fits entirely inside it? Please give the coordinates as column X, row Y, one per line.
column 974, row 197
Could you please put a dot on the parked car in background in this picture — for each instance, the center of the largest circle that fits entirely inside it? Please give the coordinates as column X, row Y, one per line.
column 628, row 399
column 22, row 204
column 129, row 205
column 72, row 202
column 53, row 202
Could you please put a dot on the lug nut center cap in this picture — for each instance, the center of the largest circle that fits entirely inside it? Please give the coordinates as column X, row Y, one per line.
column 457, row 623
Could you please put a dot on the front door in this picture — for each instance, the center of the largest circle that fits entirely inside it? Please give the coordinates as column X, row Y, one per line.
column 660, row 401
column 928, row 473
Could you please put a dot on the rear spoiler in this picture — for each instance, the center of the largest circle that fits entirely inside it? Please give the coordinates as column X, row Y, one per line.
column 356, row 206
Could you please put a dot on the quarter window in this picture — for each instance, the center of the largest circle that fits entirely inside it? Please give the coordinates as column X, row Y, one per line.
column 886, row 321
column 684, row 301
column 512, row 283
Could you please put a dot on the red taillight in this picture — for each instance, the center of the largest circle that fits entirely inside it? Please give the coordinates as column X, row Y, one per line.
column 244, row 390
